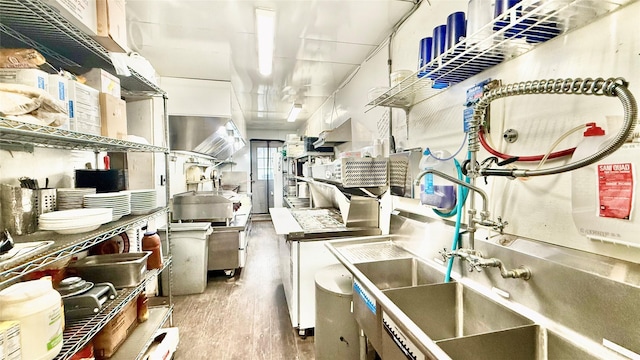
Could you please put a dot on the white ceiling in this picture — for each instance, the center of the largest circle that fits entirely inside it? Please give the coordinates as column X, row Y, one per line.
column 318, row 44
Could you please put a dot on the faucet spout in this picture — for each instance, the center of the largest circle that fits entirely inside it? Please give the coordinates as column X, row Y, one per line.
column 477, row 262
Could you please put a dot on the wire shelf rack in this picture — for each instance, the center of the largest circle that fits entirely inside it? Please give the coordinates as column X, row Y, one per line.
column 509, row 35
column 142, row 337
column 79, row 332
column 25, row 20
column 66, row 245
column 17, row 132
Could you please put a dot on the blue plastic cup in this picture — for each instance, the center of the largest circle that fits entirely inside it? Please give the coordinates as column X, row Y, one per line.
column 425, row 55
column 439, row 40
column 501, row 7
column 456, row 28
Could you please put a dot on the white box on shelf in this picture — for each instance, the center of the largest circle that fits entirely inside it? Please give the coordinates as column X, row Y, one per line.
column 84, row 109
column 103, row 81
column 59, row 89
column 30, row 77
column 81, row 13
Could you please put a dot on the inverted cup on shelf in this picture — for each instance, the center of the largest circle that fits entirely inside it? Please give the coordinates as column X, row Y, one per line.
column 424, row 55
column 439, row 40
column 456, row 29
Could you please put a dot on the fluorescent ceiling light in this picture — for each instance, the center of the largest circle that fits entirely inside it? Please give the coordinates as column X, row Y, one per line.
column 266, row 30
column 293, row 113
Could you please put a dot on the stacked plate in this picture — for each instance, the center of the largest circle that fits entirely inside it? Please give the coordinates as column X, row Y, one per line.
column 75, row 221
column 142, row 201
column 119, row 202
column 69, row 198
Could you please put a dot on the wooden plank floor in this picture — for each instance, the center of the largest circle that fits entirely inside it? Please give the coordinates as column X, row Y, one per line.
column 245, row 317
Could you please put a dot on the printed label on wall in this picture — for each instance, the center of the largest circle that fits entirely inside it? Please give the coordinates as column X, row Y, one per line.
column 615, row 190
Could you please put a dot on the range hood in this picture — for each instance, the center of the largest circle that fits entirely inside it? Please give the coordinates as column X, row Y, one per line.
column 337, row 136
column 213, row 136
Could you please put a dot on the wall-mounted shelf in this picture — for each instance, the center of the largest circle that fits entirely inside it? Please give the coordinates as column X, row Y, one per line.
column 33, row 23
column 78, row 333
column 513, row 33
column 66, row 245
column 17, row 132
column 306, row 155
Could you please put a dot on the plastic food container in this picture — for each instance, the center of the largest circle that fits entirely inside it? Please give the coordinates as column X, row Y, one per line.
column 121, row 270
column 37, row 307
column 397, row 76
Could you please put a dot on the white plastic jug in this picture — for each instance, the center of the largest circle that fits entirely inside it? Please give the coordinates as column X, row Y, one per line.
column 434, row 190
column 36, row 305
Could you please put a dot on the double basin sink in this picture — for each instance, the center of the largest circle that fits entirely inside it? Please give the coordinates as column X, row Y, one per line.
column 408, row 312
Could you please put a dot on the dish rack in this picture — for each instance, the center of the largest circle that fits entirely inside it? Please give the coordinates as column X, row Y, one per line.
column 354, row 172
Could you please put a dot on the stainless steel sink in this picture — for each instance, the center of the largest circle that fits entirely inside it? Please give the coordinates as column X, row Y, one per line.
column 529, row 342
column 387, row 274
column 445, row 311
column 390, row 274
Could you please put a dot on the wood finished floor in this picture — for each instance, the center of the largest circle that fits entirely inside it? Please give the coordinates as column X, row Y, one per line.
column 245, row 317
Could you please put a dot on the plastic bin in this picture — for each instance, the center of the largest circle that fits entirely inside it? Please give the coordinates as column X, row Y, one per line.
column 189, row 253
column 336, row 331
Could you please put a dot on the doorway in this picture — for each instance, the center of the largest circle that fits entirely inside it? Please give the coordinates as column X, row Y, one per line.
column 263, row 152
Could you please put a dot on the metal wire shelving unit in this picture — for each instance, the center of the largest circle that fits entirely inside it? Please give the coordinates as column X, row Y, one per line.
column 33, row 23
column 513, row 33
column 79, row 332
column 17, row 132
column 66, row 245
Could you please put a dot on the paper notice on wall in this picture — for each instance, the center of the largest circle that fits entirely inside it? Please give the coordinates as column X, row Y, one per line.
column 615, row 190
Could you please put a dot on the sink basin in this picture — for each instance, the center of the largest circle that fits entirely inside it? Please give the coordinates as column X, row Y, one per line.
column 397, row 273
column 449, row 310
column 525, row 343
column 386, row 274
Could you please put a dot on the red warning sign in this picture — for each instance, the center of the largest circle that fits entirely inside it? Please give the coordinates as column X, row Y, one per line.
column 615, row 190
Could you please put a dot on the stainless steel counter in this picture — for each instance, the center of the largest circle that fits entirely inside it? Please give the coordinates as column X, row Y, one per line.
column 314, row 224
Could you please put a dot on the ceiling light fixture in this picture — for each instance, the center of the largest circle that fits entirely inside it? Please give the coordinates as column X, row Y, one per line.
column 293, row 113
column 265, row 29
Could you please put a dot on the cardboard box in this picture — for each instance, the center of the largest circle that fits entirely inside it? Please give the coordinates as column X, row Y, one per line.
column 81, row 13
column 30, row 77
column 109, row 339
column 10, row 348
column 113, row 116
column 84, row 109
column 59, row 89
column 103, row 81
column 112, row 25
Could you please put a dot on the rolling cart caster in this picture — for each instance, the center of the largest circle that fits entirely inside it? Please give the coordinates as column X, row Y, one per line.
column 230, row 273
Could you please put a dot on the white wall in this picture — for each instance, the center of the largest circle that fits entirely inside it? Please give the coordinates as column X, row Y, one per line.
column 539, row 208
column 197, row 97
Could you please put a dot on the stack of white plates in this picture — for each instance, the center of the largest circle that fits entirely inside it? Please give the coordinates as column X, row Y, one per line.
column 75, row 221
column 69, row 198
column 142, row 201
column 119, row 202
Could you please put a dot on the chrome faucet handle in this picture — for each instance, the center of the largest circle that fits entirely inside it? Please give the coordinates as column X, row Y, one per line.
column 474, row 264
column 500, row 225
column 445, row 254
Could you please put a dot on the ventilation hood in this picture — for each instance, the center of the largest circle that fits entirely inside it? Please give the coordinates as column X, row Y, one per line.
column 337, row 136
column 213, row 136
